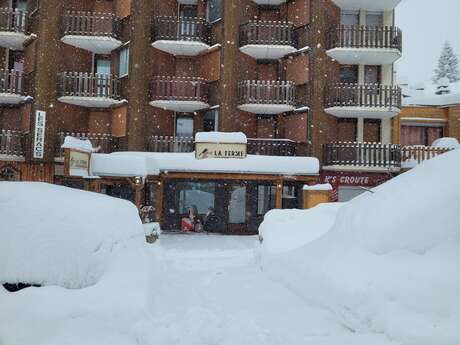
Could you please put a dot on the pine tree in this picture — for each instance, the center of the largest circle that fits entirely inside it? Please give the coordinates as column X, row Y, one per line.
column 447, row 65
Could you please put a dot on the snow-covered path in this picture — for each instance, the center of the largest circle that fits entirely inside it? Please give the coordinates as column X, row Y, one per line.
column 213, row 291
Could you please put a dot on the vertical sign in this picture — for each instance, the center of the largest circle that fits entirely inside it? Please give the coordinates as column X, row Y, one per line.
column 39, row 137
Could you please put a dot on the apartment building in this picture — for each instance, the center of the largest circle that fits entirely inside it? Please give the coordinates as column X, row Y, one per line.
column 299, row 78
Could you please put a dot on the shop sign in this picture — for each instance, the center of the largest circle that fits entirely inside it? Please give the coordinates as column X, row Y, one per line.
column 39, row 135
column 220, row 150
column 76, row 163
column 356, row 179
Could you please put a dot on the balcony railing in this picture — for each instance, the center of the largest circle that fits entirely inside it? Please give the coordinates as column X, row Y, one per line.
column 267, row 147
column 381, row 37
column 13, row 20
column 12, row 81
column 179, row 89
column 181, row 29
column 363, row 95
column 419, row 153
column 364, row 155
column 267, row 33
column 266, row 92
column 77, row 84
column 80, row 23
column 12, row 143
column 103, row 142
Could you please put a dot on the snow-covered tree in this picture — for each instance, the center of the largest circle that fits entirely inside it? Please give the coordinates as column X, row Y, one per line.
column 447, row 65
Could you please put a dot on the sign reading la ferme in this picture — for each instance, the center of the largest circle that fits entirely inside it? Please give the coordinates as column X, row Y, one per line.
column 76, row 163
column 220, row 150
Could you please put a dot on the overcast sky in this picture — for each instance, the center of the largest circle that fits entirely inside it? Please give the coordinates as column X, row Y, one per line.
column 426, row 25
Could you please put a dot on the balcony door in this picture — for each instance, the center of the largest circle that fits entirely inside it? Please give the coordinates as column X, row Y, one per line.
column 103, row 68
column 186, row 26
column 350, row 18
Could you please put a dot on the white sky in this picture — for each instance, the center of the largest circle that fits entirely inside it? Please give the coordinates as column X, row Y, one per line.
column 426, row 25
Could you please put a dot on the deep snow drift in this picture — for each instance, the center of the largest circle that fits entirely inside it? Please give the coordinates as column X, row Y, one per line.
column 53, row 235
column 389, row 264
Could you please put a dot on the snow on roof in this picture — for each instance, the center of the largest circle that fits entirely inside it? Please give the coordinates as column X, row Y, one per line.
column 324, row 187
column 252, row 164
column 54, row 235
column 426, row 95
column 119, row 165
column 221, row 137
column 446, row 143
column 77, row 144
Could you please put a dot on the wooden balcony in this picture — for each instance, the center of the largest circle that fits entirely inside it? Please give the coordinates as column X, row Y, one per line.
column 343, row 156
column 267, row 39
column 88, row 90
column 371, row 101
column 370, row 5
column 181, row 94
column 12, row 87
column 269, row 2
column 104, row 143
column 413, row 155
column 266, row 97
column 369, row 45
column 13, row 28
column 96, row 32
column 181, row 35
column 12, row 144
column 266, row 147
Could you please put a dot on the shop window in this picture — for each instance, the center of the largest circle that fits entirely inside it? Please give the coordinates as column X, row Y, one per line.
column 119, row 190
column 211, row 120
column 374, row 19
column 199, row 195
column 237, row 205
column 290, row 197
column 372, row 74
column 266, row 198
column 420, row 135
column 71, row 183
column 184, row 126
column 349, row 74
column 350, row 18
column 214, row 9
column 123, row 66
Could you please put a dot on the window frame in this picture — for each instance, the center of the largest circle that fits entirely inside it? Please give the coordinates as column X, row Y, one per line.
column 208, row 11
column 123, row 50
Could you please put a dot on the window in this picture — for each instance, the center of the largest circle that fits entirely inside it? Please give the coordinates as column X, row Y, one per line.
column 123, row 66
column 102, row 65
column 211, row 120
column 349, row 74
column 350, row 18
column 420, row 135
column 374, row 19
column 214, row 10
column 372, row 74
column 266, row 198
column 184, row 126
column 195, row 194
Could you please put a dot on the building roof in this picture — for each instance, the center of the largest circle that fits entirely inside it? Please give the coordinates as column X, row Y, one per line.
column 425, row 95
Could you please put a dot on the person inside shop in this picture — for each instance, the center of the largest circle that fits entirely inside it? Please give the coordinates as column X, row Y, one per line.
column 212, row 222
column 193, row 221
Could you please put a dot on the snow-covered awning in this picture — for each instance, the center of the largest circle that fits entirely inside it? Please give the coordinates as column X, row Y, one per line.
column 221, row 137
column 252, row 164
column 77, row 144
column 123, row 165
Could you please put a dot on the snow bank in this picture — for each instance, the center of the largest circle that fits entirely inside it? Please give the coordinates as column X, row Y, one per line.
column 388, row 265
column 186, row 162
column 446, row 143
column 77, row 144
column 128, row 166
column 221, row 137
column 52, row 235
column 284, row 230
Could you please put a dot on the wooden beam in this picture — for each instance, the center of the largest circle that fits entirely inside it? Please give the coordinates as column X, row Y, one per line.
column 159, row 192
column 239, row 176
column 279, row 195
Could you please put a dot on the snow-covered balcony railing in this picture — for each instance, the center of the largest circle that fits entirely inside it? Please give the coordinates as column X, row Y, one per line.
column 270, row 2
column 267, row 39
column 419, row 153
column 159, row 143
column 363, row 100
column 370, row 45
column 182, row 94
column 13, row 28
column 97, row 32
column 88, row 89
column 367, row 156
column 12, row 86
column 181, row 35
column 266, row 97
column 101, row 141
column 12, row 143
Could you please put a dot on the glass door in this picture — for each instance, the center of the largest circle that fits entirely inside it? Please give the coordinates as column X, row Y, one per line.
column 187, row 26
column 236, row 207
column 103, row 70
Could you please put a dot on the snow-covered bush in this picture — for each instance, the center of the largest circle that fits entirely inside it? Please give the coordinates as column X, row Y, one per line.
column 52, row 235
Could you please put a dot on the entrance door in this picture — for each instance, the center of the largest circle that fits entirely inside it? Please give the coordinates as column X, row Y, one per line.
column 235, row 194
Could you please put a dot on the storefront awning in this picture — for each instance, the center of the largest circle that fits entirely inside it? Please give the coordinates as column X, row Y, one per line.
column 123, row 165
